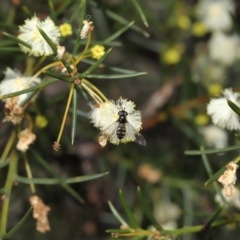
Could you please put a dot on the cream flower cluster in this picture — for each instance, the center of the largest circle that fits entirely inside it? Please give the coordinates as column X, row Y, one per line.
column 105, row 117
column 25, row 138
column 214, row 136
column 30, row 34
column 228, row 178
column 216, row 14
column 233, row 200
column 40, row 213
column 14, row 81
column 223, row 48
column 222, row 115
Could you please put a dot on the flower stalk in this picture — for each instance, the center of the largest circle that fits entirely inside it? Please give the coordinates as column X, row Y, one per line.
column 8, row 147
column 29, row 173
column 8, row 189
column 66, row 111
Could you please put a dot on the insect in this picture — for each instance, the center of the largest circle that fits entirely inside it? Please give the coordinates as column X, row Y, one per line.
column 87, row 26
column 121, row 129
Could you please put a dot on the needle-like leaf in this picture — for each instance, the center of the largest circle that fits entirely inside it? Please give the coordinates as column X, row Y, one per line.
column 128, row 211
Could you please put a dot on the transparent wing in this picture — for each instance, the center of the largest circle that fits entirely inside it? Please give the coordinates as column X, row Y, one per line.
column 132, row 133
column 110, row 132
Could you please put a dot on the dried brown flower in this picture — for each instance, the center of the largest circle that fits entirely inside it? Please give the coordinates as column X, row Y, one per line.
column 13, row 112
column 228, row 178
column 26, row 137
column 102, row 140
column 40, row 212
column 56, row 146
column 77, row 81
column 147, row 172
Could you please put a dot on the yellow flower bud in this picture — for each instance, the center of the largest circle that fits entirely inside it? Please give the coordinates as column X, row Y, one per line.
column 201, row 119
column 199, row 29
column 41, row 121
column 183, row 22
column 65, row 29
column 215, row 89
column 97, row 51
column 172, row 56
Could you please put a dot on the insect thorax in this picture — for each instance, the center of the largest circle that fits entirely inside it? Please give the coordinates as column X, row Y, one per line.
column 122, row 116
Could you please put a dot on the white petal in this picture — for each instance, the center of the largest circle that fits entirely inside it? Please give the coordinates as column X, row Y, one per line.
column 30, row 34
column 222, row 115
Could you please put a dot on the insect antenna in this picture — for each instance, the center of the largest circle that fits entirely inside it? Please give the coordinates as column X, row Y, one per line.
column 88, row 17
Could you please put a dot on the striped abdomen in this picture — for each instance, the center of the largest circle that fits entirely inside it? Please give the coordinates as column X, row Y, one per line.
column 121, row 130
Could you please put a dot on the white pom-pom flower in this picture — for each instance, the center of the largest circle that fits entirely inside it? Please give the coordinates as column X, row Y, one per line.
column 106, row 116
column 222, row 48
column 216, row 15
column 222, row 115
column 233, row 200
column 214, row 136
column 14, row 82
column 30, row 34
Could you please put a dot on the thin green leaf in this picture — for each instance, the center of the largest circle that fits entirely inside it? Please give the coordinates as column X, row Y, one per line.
column 121, row 70
column 128, row 211
column 7, row 25
column 8, row 42
column 73, row 193
column 54, row 48
column 2, row 191
column 215, row 176
column 80, row 88
column 95, row 65
column 58, row 76
column 147, row 210
column 31, row 89
column 213, row 218
column 114, row 69
column 210, row 174
column 139, row 237
column 234, row 107
column 119, row 230
column 5, row 163
column 211, row 151
column 19, row 41
column 123, row 21
column 48, row 40
column 19, row 224
column 82, row 113
column 53, row 181
column 53, row 13
column 115, row 76
column 29, row 97
column 46, row 166
column 9, row 49
column 140, row 12
column 82, row 14
column 116, row 214
column 74, row 115
column 118, row 33
column 207, row 164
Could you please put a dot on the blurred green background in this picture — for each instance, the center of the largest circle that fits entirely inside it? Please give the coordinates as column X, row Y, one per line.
column 182, row 75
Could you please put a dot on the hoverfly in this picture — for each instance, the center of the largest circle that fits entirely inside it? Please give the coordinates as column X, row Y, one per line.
column 121, row 129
